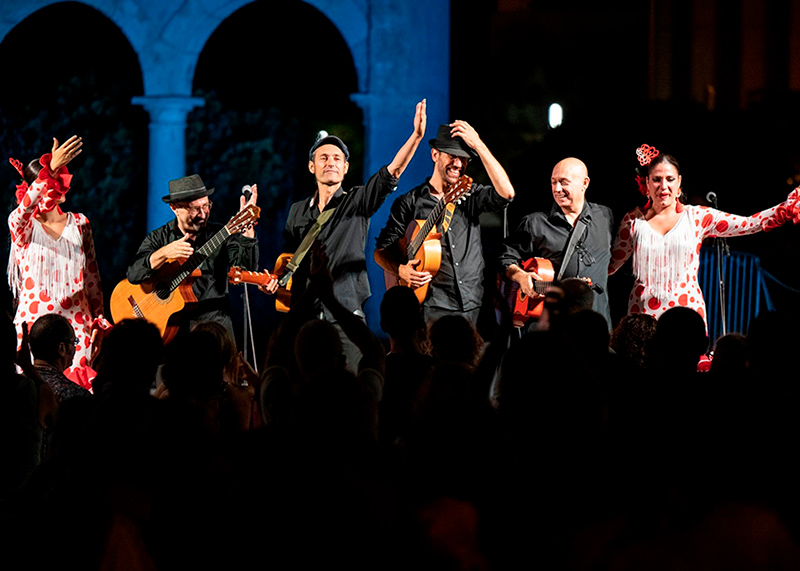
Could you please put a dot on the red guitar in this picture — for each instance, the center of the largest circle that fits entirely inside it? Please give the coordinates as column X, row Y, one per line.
column 422, row 242
column 524, row 307
column 283, row 296
column 156, row 300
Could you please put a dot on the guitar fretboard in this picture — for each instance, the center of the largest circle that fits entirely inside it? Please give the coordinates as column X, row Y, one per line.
column 173, row 280
column 416, row 243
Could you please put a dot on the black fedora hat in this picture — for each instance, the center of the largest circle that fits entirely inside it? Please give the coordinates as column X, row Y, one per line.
column 451, row 145
column 187, row 189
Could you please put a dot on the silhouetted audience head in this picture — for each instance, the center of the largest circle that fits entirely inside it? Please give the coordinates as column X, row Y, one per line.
column 631, row 336
column 730, row 355
column 131, row 354
column 679, row 341
column 587, row 330
column 318, row 346
column 578, row 295
column 454, row 338
column 226, row 345
column 193, row 367
column 52, row 339
column 402, row 319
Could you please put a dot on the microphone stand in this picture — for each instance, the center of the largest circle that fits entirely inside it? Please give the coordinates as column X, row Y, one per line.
column 721, row 245
column 247, row 338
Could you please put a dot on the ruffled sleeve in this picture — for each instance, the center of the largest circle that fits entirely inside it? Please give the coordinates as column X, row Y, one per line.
column 43, row 195
column 56, row 185
column 715, row 223
column 784, row 212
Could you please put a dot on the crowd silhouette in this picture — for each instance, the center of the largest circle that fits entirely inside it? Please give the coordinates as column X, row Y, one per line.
column 559, row 446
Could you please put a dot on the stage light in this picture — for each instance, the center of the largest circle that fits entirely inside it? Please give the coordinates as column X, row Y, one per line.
column 555, row 115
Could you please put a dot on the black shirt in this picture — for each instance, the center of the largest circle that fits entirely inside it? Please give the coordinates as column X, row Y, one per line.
column 545, row 235
column 458, row 285
column 344, row 236
column 211, row 286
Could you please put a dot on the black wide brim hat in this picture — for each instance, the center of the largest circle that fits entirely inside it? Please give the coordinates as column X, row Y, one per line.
column 451, row 145
column 187, row 189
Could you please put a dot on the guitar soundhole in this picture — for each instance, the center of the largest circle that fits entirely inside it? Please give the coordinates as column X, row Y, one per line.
column 162, row 294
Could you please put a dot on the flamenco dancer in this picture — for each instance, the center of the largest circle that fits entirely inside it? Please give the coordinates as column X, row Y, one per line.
column 665, row 235
column 52, row 266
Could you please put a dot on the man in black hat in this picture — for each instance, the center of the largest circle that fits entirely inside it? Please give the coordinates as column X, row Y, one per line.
column 344, row 234
column 457, row 286
column 178, row 239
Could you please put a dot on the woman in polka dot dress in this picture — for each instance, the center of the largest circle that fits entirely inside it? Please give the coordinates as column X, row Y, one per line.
column 665, row 237
column 52, row 267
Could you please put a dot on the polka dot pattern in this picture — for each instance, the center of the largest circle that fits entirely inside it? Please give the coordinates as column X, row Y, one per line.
column 703, row 222
column 83, row 302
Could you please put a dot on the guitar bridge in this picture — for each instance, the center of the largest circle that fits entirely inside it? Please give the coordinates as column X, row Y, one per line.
column 135, row 307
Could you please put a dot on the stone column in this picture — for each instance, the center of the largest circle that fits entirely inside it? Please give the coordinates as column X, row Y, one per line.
column 167, row 158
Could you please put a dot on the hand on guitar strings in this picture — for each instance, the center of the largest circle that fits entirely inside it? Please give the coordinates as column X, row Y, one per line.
column 526, row 281
column 411, row 276
column 179, row 249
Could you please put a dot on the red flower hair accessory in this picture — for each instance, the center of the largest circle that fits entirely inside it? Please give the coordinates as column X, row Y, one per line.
column 21, row 188
column 646, row 154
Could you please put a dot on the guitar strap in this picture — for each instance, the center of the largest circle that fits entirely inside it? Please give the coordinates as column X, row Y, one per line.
column 305, row 245
column 574, row 238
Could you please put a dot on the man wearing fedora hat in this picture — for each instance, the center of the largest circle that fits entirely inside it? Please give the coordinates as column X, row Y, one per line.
column 457, row 287
column 189, row 201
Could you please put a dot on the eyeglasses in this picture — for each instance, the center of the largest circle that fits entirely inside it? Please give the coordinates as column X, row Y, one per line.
column 73, row 341
column 195, row 210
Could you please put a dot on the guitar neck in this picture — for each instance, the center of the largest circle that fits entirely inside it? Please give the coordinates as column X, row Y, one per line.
column 416, row 243
column 175, row 279
column 249, row 277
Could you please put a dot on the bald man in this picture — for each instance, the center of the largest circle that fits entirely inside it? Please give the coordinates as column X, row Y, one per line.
column 547, row 235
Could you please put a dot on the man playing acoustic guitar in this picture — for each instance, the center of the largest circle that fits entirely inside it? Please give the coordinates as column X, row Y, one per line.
column 547, row 236
column 179, row 239
column 456, row 286
column 346, row 215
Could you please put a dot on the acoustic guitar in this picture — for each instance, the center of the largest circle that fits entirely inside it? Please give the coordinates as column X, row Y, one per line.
column 423, row 242
column 525, row 307
column 159, row 299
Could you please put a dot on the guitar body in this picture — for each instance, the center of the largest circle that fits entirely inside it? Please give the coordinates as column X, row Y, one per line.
column 157, row 300
column 524, row 307
column 283, row 297
column 132, row 301
column 429, row 255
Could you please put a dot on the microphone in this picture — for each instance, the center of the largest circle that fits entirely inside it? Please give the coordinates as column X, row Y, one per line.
column 247, row 192
column 712, row 197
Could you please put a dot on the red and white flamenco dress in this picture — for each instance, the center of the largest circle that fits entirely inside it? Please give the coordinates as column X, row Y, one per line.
column 55, row 275
column 665, row 266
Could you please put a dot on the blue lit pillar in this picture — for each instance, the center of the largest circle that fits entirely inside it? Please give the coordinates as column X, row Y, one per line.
column 167, row 158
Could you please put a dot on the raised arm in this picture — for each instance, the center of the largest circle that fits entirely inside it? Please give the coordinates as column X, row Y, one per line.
column 497, row 174
column 406, row 152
